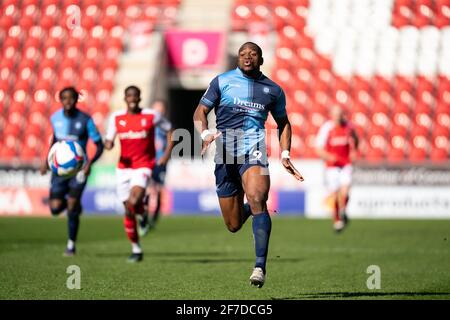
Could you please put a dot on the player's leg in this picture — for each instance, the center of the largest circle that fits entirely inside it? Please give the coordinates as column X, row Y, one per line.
column 74, row 210
column 135, row 206
column 232, row 209
column 332, row 182
column 158, row 177
column 59, row 187
column 231, row 197
column 123, row 177
column 344, row 190
column 256, row 183
column 157, row 190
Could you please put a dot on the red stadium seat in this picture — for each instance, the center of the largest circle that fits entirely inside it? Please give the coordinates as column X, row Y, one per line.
column 398, row 149
column 440, row 149
column 11, row 129
column 419, row 130
column 419, row 149
column 29, row 154
column 26, row 22
column 7, row 153
column 6, row 22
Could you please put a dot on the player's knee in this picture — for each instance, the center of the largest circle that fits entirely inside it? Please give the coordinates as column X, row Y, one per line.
column 55, row 210
column 133, row 200
column 233, row 227
column 74, row 206
column 57, row 206
column 257, row 201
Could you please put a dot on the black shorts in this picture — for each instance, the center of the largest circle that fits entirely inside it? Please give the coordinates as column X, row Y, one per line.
column 159, row 174
column 61, row 187
column 228, row 177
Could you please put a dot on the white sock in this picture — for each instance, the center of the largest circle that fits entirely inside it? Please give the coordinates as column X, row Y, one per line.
column 136, row 248
column 70, row 244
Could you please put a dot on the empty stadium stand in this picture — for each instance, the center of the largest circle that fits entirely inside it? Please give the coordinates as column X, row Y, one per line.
column 387, row 62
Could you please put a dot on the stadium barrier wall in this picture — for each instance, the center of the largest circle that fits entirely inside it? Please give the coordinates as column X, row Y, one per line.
column 378, row 192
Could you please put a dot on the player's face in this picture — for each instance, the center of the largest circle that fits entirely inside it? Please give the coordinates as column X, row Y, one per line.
column 249, row 60
column 132, row 99
column 158, row 106
column 337, row 114
column 68, row 100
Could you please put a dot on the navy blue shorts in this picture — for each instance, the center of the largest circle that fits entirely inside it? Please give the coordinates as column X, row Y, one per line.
column 159, row 174
column 228, row 177
column 61, row 187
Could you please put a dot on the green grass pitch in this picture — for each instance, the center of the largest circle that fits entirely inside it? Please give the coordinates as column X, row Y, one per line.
column 197, row 258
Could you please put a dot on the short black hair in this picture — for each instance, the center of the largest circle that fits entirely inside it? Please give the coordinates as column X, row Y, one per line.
column 133, row 88
column 72, row 90
column 252, row 44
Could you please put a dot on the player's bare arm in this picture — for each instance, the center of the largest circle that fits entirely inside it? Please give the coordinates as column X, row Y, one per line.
column 167, row 153
column 354, row 145
column 44, row 165
column 285, row 132
column 201, row 125
column 98, row 152
column 109, row 144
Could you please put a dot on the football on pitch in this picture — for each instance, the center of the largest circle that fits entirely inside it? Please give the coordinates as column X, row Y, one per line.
column 66, row 158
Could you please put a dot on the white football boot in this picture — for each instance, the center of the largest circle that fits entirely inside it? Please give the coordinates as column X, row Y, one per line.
column 257, row 278
column 339, row 226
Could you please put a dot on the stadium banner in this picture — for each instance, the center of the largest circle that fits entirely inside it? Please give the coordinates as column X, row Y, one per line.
column 205, row 202
column 399, row 202
column 19, row 201
column 195, row 49
column 377, row 192
column 387, row 192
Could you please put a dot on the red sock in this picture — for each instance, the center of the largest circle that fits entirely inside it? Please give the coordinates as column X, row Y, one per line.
column 130, row 228
column 336, row 211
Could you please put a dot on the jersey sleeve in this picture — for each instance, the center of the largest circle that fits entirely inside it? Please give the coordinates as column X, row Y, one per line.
column 111, row 129
column 322, row 136
column 162, row 122
column 279, row 108
column 211, row 97
column 93, row 131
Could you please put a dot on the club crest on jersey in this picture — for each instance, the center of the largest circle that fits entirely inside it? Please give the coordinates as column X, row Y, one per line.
column 143, row 122
column 123, row 123
column 78, row 125
column 266, row 90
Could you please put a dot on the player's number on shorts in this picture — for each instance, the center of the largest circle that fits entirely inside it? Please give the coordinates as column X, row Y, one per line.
column 257, row 155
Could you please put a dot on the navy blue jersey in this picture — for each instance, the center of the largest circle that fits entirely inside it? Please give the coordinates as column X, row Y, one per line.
column 78, row 127
column 160, row 141
column 242, row 105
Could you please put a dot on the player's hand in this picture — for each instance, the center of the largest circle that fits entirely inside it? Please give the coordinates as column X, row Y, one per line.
column 287, row 164
column 208, row 140
column 44, row 167
column 87, row 169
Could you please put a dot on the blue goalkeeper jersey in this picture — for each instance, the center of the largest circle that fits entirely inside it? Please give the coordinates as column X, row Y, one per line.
column 78, row 127
column 242, row 105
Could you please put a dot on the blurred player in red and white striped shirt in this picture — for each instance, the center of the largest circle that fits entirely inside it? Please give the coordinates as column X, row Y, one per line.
column 337, row 144
column 135, row 128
